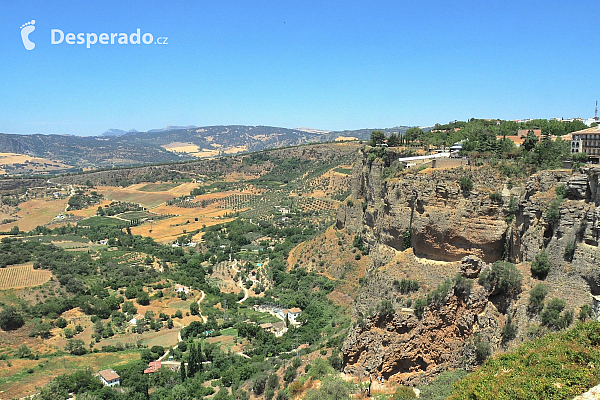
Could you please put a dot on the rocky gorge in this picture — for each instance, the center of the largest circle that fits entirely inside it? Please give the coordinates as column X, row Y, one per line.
column 444, row 227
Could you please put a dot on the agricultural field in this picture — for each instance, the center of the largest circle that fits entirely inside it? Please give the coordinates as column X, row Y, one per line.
column 157, row 187
column 96, row 222
column 146, row 199
column 184, row 221
column 36, row 212
column 20, row 276
column 178, row 147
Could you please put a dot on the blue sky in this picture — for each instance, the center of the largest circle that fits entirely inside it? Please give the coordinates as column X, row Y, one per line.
column 323, row 64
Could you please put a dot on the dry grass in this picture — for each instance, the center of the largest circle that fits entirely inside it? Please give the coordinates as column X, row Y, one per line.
column 237, row 149
column 36, row 212
column 168, row 230
column 179, row 147
column 14, row 158
column 18, row 383
column 21, row 276
column 146, row 199
column 338, row 260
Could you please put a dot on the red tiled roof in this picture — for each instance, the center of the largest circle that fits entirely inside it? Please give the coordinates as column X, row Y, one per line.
column 153, row 366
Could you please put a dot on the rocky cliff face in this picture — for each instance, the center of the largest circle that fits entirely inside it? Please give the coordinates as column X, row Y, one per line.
column 445, row 221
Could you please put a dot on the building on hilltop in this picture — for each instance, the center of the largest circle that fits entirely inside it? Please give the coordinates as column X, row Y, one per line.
column 587, row 141
column 519, row 138
column 109, row 377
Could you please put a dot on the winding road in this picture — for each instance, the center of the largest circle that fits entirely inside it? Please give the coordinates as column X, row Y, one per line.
column 233, row 267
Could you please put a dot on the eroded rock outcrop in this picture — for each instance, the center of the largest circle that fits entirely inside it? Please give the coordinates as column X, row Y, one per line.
column 454, row 229
column 404, row 348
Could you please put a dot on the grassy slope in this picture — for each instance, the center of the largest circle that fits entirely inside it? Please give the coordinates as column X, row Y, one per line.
column 556, row 366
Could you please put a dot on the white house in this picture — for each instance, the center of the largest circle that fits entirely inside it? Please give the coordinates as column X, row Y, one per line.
column 109, row 377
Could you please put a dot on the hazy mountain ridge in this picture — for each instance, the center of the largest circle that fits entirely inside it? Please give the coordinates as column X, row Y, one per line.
column 116, row 147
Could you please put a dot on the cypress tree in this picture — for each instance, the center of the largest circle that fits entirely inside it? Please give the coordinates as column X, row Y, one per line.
column 192, row 361
column 200, row 356
column 182, row 371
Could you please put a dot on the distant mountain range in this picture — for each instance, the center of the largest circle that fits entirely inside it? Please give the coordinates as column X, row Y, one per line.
column 117, row 147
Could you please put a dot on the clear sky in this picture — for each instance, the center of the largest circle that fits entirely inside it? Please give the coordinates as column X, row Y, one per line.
column 322, row 64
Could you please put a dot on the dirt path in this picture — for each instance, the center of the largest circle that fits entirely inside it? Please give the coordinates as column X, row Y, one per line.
column 233, row 267
column 204, row 319
column 245, row 292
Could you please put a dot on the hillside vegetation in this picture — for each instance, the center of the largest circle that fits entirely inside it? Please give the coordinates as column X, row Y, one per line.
column 556, row 366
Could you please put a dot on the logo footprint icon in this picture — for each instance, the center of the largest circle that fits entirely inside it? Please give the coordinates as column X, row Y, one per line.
column 26, row 29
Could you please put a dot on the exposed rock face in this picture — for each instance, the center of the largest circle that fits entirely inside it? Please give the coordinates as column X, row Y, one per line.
column 445, row 222
column 403, row 348
column 466, row 230
column 470, row 266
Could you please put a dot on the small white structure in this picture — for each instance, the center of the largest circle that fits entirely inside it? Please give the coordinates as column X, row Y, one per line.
column 412, row 161
column 182, row 289
column 135, row 319
column 291, row 314
column 109, row 377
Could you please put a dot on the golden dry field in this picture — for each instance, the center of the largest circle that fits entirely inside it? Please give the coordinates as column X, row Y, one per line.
column 20, row 276
column 36, row 163
column 36, row 212
column 146, row 199
column 196, row 151
column 179, row 147
column 167, row 230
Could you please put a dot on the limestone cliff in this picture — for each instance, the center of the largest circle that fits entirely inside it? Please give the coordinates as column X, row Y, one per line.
column 443, row 219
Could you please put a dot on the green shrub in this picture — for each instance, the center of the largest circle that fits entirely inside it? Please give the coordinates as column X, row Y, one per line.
column 537, row 295
column 502, row 279
column 419, row 307
column 483, row 349
column 403, row 393
column 585, row 312
column 61, row 322
column 496, row 197
column 561, row 191
column 553, row 212
column 533, row 369
column 441, row 387
column 462, row 285
column 553, row 316
column 438, row 296
column 570, row 250
column 540, row 266
column 509, row 331
column 513, row 205
column 406, row 238
column 466, row 184
column 385, row 308
column 405, row 286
